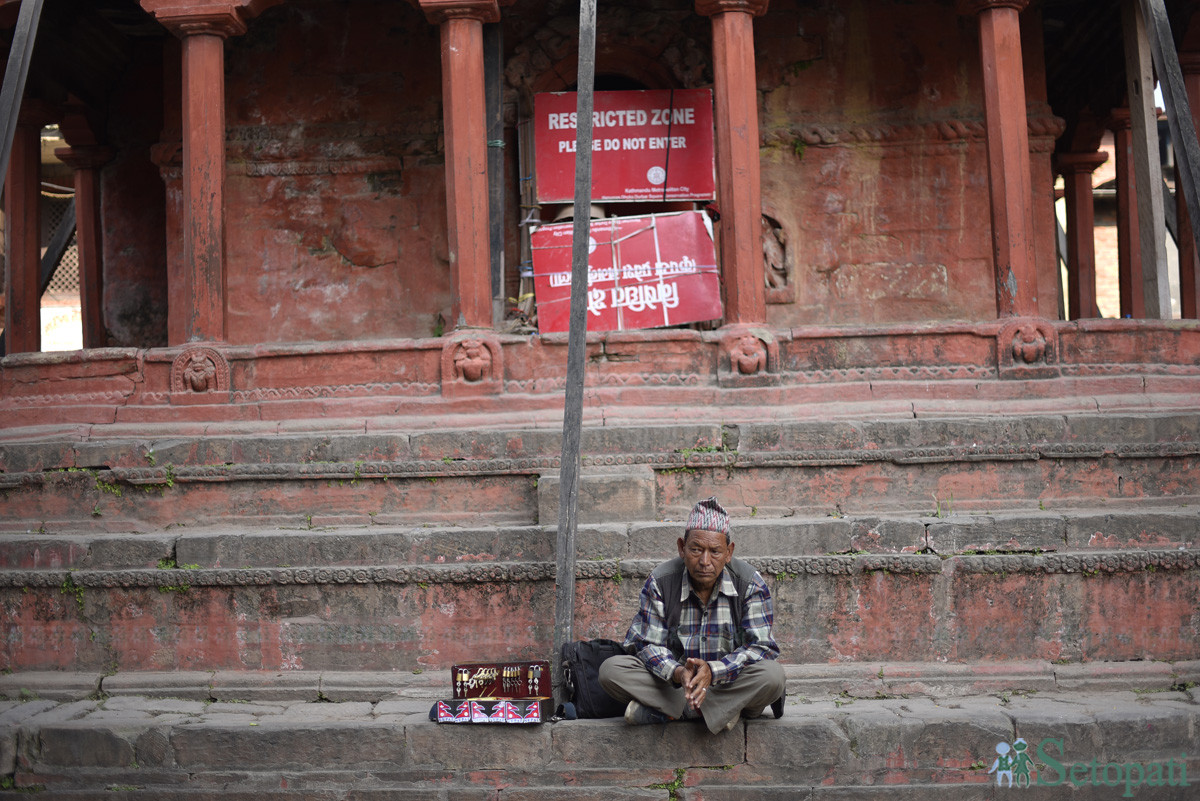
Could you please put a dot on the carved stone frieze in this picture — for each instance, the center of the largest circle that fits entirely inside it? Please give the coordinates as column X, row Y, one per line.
column 1044, row 129
column 780, row 568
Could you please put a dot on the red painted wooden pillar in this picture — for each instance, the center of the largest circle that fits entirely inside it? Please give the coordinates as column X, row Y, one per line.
column 89, row 242
column 22, row 200
column 1189, row 263
column 203, row 26
column 739, row 191
column 1077, row 169
column 461, row 24
column 1008, row 154
column 1129, row 252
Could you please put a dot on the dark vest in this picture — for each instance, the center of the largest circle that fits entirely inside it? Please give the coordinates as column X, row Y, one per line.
column 669, row 576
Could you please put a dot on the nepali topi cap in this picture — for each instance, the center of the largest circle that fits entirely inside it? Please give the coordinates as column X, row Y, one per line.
column 707, row 515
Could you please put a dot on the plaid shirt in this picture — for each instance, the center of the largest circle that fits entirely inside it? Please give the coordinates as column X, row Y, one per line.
column 707, row 633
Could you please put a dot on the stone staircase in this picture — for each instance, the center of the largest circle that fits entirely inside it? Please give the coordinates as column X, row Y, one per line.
column 263, row 609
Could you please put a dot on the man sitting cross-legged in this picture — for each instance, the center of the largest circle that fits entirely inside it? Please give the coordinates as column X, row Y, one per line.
column 700, row 644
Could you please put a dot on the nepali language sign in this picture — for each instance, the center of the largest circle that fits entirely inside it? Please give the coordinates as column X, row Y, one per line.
column 643, row 272
column 647, row 145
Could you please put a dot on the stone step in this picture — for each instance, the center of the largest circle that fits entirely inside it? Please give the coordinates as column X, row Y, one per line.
column 959, row 589
column 1141, row 527
column 887, row 748
column 369, row 471
column 865, row 680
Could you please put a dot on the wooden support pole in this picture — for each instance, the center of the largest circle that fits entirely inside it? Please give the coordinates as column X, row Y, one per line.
column 493, row 73
column 569, row 464
column 1009, row 178
column 86, row 162
column 20, row 53
column 1077, row 169
column 1129, row 252
column 22, row 201
column 202, row 26
column 739, row 191
column 1139, row 86
column 1189, row 258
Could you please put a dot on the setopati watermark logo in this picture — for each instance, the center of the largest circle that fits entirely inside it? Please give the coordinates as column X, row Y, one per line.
column 1014, row 767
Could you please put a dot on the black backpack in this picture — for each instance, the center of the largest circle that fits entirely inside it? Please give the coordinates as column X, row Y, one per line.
column 581, row 677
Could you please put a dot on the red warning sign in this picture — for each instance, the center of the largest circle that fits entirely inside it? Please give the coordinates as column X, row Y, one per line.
column 643, row 272
column 646, row 145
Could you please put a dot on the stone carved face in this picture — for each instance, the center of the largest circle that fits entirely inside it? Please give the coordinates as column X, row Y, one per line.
column 1029, row 345
column 749, row 355
column 200, row 373
column 473, row 361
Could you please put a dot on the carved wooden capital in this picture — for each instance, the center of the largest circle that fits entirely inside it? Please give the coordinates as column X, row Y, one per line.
column 708, row 8
column 972, row 7
column 222, row 18
column 438, row 11
column 1072, row 163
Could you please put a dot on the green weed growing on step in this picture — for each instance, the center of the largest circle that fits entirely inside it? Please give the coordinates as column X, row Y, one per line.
column 938, row 511
column 161, row 487
column 672, row 787
column 111, row 487
column 168, row 563
column 69, row 587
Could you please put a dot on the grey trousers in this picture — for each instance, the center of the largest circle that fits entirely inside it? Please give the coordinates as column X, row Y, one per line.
column 625, row 678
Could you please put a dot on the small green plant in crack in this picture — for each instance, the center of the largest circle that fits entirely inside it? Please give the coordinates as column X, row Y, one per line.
column 161, row 487
column 169, row 563
column 686, row 453
column 671, row 787
column 111, row 487
column 938, row 510
column 69, row 587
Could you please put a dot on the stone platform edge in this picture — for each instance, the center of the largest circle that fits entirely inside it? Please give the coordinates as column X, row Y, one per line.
column 804, row 681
